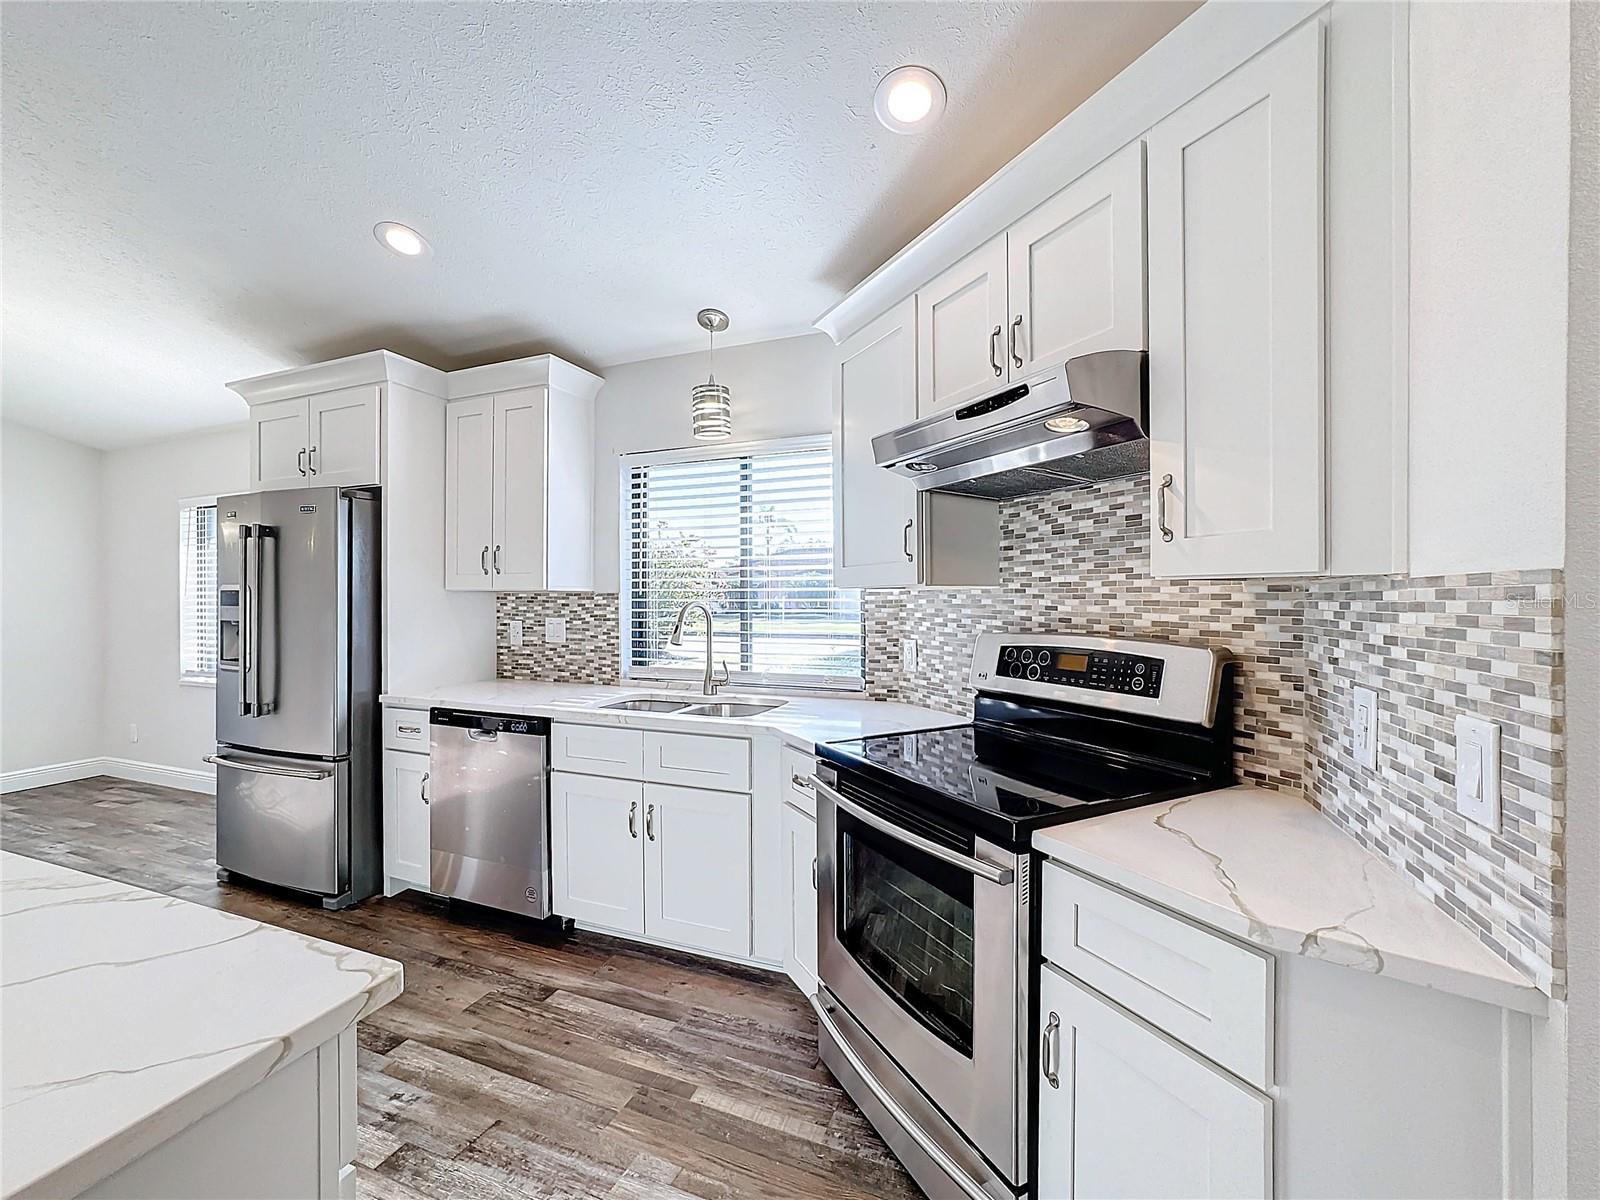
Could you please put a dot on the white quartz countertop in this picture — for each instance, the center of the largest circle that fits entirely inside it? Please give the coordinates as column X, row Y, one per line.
column 1270, row 869
column 129, row 1015
column 802, row 721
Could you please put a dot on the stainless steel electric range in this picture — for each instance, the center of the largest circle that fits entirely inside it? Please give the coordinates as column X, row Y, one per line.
column 925, row 926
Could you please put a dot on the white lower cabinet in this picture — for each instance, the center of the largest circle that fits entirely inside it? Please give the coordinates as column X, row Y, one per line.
column 596, row 851
column 800, row 878
column 697, row 868
column 407, row 838
column 1126, row 1111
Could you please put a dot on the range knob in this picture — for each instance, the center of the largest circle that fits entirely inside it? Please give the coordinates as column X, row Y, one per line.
column 1014, row 670
column 1033, row 671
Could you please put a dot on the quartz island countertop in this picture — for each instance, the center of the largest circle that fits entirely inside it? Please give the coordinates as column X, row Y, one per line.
column 802, row 721
column 130, row 1015
column 1270, row 869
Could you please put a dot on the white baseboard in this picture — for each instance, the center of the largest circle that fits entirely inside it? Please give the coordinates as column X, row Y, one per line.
column 182, row 778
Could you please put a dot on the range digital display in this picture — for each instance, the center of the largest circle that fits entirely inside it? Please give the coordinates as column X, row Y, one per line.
column 1072, row 662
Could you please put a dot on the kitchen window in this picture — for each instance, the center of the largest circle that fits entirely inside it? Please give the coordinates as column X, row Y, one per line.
column 749, row 531
column 197, row 592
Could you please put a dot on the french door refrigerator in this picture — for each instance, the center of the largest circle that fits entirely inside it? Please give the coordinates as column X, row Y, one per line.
column 298, row 755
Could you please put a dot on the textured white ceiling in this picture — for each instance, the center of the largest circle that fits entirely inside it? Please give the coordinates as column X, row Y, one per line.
column 188, row 190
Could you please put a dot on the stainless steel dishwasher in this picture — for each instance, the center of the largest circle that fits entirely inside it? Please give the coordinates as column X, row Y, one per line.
column 489, row 809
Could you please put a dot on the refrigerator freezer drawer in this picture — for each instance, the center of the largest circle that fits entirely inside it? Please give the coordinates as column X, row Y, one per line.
column 284, row 820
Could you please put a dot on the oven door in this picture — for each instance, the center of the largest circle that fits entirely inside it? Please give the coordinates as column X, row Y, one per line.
column 922, row 937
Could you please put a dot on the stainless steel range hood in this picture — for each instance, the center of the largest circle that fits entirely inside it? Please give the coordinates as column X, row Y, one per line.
column 1077, row 424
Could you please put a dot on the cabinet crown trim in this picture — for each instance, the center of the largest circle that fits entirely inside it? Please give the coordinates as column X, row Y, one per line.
column 373, row 367
column 540, row 370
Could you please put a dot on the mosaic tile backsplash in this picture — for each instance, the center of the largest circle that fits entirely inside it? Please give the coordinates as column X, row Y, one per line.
column 1079, row 560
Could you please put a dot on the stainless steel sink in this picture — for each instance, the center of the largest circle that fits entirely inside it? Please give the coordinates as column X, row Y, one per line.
column 730, row 710
column 660, row 706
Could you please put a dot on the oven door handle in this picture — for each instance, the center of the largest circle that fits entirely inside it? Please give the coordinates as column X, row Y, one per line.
column 898, row 1114
column 973, row 866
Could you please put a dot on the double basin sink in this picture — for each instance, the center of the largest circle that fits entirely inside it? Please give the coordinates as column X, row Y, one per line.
column 693, row 708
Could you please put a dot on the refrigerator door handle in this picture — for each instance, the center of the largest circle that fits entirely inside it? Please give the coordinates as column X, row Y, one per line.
column 237, row 764
column 246, row 619
column 265, row 649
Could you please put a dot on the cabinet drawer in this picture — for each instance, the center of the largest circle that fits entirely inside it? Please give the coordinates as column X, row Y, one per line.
column 405, row 729
column 693, row 760
column 796, row 767
column 597, row 750
column 1206, row 990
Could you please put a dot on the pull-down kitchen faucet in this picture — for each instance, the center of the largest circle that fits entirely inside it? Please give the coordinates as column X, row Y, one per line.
column 711, row 682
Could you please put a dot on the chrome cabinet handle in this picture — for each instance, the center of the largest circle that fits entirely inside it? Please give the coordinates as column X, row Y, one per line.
column 496, row 560
column 483, row 560
column 800, row 782
column 425, row 799
column 1016, row 328
column 414, row 729
column 311, row 460
column 813, row 874
column 633, row 820
column 300, row 462
column 1161, row 507
column 969, row 864
column 1050, row 1051
column 994, row 351
column 650, row 821
column 905, row 541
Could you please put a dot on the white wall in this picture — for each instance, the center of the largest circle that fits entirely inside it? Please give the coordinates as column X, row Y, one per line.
column 142, row 490
column 51, row 603
column 1489, row 186
column 780, row 389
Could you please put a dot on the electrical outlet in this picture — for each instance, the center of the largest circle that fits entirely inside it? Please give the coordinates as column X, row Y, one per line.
column 1364, row 726
column 908, row 656
column 1478, row 770
column 514, row 633
column 133, row 733
column 555, row 629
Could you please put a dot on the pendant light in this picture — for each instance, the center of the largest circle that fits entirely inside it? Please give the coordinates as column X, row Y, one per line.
column 711, row 404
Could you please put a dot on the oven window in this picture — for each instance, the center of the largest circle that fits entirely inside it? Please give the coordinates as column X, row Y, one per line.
column 907, row 919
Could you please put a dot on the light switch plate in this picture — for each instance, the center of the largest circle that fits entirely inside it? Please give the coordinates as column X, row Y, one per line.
column 908, row 656
column 1364, row 726
column 555, row 629
column 514, row 633
column 1478, row 770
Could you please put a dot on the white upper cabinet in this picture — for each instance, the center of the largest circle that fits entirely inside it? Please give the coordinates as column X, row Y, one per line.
column 343, row 428
column 325, row 440
column 874, row 511
column 469, row 486
column 961, row 327
column 1075, row 269
column 1236, row 321
column 519, row 463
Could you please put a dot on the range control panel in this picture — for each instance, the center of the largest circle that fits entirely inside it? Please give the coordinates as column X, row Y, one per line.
column 1101, row 670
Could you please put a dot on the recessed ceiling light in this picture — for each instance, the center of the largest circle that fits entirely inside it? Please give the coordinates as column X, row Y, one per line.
column 402, row 239
column 909, row 99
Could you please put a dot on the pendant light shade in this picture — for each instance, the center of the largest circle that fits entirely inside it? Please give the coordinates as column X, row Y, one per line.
column 711, row 404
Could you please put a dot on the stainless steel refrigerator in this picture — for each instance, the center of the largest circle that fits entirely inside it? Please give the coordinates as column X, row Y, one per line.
column 298, row 753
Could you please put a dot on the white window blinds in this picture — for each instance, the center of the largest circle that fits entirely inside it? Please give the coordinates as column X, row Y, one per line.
column 197, row 592
column 749, row 531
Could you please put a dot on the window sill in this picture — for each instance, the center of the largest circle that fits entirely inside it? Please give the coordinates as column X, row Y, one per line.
column 839, row 691
column 197, row 681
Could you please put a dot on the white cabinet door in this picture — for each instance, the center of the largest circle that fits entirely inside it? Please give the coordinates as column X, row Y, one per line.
column 874, row 511
column 406, row 837
column 517, row 559
column 278, row 444
column 343, row 450
column 596, row 849
column 1155, row 1121
column 800, row 846
column 1076, row 269
column 469, row 494
column 697, row 868
column 1236, row 321
column 961, row 320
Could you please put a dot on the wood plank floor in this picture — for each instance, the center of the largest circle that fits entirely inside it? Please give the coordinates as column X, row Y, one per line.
column 520, row 1064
